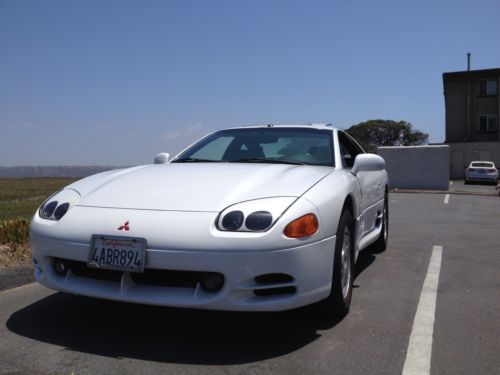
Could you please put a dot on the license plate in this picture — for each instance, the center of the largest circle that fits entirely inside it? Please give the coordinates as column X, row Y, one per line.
column 117, row 253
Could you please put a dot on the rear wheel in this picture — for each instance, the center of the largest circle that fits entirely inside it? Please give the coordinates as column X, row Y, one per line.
column 339, row 300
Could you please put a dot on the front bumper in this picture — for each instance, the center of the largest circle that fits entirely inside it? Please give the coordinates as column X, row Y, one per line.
column 309, row 266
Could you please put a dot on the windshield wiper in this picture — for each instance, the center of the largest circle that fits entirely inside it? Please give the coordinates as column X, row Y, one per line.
column 268, row 161
column 195, row 160
column 245, row 160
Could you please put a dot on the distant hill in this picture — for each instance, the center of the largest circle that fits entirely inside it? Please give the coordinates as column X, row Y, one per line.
column 54, row 171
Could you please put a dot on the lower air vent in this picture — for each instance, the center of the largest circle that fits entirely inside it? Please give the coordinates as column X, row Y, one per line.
column 274, row 278
column 275, row 291
column 211, row 282
column 274, row 284
column 80, row 269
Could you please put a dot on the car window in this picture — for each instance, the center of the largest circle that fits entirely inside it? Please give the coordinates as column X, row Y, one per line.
column 348, row 150
column 213, row 150
column 271, row 145
column 482, row 164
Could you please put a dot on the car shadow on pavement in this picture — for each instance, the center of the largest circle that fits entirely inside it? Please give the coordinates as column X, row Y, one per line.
column 365, row 259
column 171, row 335
column 161, row 334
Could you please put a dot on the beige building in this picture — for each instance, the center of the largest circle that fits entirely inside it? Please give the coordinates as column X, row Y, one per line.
column 472, row 106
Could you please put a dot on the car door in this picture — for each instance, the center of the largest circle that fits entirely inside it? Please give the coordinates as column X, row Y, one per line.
column 371, row 184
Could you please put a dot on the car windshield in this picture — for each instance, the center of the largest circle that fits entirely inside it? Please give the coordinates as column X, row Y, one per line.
column 277, row 145
column 482, row 164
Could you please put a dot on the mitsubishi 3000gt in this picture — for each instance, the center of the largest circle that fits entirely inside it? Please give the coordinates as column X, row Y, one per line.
column 259, row 218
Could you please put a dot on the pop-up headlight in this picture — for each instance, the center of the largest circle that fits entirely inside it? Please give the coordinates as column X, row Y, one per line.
column 57, row 205
column 253, row 216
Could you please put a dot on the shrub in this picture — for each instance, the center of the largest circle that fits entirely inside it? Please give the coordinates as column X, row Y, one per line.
column 14, row 231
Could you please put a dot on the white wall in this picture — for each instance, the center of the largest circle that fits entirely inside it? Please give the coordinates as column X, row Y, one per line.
column 417, row 167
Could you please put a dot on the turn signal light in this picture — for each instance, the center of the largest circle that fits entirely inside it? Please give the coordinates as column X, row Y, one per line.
column 304, row 226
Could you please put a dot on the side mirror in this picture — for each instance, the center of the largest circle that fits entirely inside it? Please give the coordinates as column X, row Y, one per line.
column 367, row 163
column 162, row 158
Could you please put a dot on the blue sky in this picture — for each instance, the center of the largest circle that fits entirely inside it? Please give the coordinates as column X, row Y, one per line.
column 115, row 82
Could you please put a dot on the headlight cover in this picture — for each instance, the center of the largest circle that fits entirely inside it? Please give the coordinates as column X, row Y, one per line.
column 58, row 204
column 253, row 216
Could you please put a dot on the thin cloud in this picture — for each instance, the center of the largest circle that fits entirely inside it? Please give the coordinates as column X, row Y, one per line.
column 184, row 132
column 129, row 134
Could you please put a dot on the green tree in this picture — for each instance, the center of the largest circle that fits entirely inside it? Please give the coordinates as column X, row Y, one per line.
column 373, row 133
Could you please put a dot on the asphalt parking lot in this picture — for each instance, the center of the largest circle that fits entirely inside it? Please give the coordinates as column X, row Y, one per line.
column 48, row 332
column 459, row 186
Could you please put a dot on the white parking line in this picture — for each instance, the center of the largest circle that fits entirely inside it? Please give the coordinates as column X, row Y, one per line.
column 418, row 356
column 446, row 198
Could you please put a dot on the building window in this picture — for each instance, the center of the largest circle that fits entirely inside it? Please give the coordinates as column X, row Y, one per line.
column 487, row 87
column 488, row 123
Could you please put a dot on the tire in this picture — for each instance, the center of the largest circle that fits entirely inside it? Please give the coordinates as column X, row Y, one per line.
column 339, row 300
column 381, row 244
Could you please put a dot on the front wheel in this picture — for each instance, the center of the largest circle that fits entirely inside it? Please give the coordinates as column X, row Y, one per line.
column 381, row 243
column 339, row 300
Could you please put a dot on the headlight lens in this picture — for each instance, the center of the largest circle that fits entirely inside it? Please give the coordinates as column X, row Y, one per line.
column 61, row 211
column 259, row 220
column 58, row 205
column 233, row 220
column 249, row 216
column 49, row 209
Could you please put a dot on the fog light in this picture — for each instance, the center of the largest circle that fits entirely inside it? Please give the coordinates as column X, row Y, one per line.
column 60, row 268
column 212, row 283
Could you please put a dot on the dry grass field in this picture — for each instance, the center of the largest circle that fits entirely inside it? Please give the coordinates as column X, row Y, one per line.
column 19, row 199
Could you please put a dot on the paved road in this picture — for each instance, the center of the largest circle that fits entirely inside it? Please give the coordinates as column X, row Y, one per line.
column 473, row 187
column 15, row 276
column 46, row 332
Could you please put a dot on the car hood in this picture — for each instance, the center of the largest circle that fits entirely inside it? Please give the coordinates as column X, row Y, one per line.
column 195, row 187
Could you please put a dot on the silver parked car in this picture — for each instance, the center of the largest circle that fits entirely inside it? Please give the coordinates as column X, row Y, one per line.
column 481, row 171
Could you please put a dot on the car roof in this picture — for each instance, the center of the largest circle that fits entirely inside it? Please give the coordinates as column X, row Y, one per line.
column 305, row 126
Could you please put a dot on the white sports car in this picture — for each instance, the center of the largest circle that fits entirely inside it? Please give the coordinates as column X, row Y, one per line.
column 260, row 218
